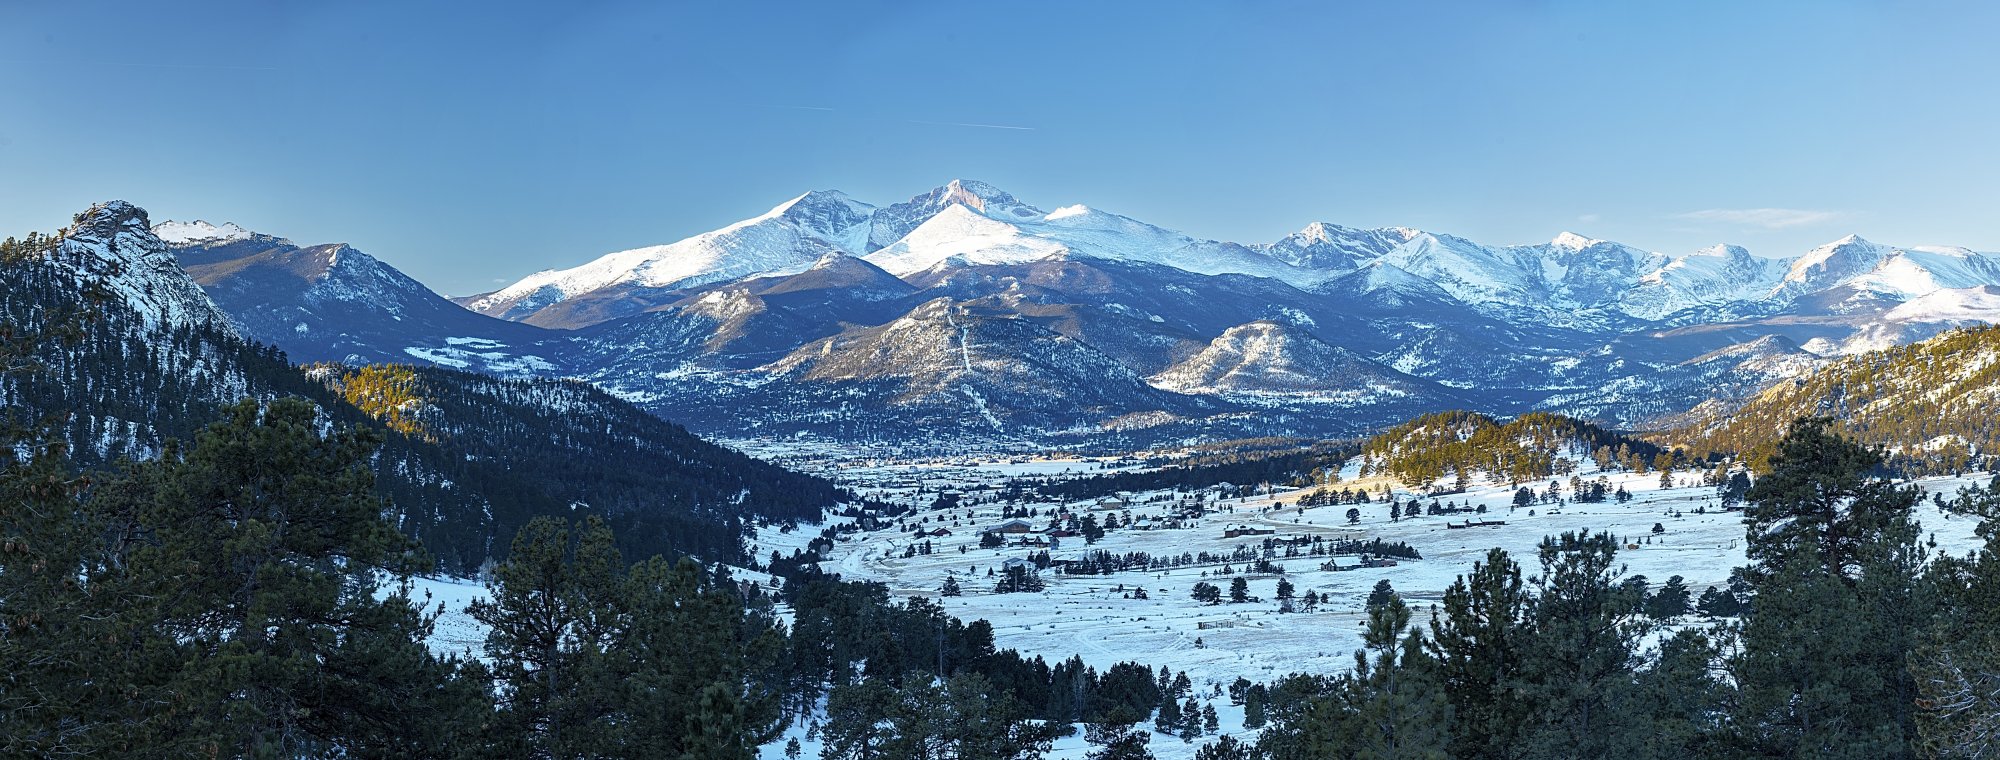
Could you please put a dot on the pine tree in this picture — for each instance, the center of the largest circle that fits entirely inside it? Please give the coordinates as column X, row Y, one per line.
column 1717, row 602
column 1957, row 663
column 1117, row 742
column 692, row 667
column 1682, row 697
column 1190, row 726
column 1396, row 709
column 1206, row 593
column 857, row 721
column 551, row 617
column 266, row 540
column 1580, row 651
column 1824, row 666
column 59, row 604
column 1477, row 640
column 1382, row 594
column 1227, row 748
column 1254, row 713
column 1670, row 601
column 1168, row 719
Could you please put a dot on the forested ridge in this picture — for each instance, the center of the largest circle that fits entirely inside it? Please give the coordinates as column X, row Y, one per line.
column 466, row 461
column 1930, row 404
column 539, row 446
column 1462, row 445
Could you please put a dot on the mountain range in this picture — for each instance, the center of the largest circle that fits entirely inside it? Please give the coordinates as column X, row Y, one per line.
column 967, row 315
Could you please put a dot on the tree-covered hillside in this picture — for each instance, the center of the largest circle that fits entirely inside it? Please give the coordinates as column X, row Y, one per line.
column 534, row 447
column 1930, row 404
column 127, row 353
column 1465, row 445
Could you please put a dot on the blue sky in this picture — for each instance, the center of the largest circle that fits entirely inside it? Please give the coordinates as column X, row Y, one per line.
column 470, row 144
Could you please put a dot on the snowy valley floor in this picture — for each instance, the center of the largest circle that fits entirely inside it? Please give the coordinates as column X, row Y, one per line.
column 1215, row 644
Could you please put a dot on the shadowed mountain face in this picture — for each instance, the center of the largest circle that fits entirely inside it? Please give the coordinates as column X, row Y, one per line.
column 828, row 316
column 334, row 303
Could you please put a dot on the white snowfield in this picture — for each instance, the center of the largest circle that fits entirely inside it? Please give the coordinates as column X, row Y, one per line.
column 1089, row 615
column 198, row 231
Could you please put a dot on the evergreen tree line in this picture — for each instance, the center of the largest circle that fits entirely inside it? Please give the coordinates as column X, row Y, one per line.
column 245, row 596
column 1852, row 642
column 1288, row 466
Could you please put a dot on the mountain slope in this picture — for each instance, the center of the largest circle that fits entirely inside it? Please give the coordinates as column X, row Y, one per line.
column 941, row 373
column 130, row 351
column 1451, row 449
column 1929, row 403
column 334, row 303
column 1272, row 358
column 134, row 355
column 789, row 238
column 534, row 447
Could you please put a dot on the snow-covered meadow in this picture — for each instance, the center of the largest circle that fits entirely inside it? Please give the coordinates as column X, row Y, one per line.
column 1096, row 618
column 1088, row 616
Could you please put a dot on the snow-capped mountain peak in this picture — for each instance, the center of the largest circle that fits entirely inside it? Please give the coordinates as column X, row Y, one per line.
column 980, row 196
column 1840, row 258
column 891, row 223
column 198, row 231
column 1573, row 241
column 1327, row 247
column 959, row 234
column 1573, row 280
column 830, row 213
column 1869, row 269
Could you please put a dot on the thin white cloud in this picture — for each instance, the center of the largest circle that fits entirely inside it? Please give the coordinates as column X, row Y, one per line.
column 970, row 124
column 1589, row 218
column 1767, row 218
